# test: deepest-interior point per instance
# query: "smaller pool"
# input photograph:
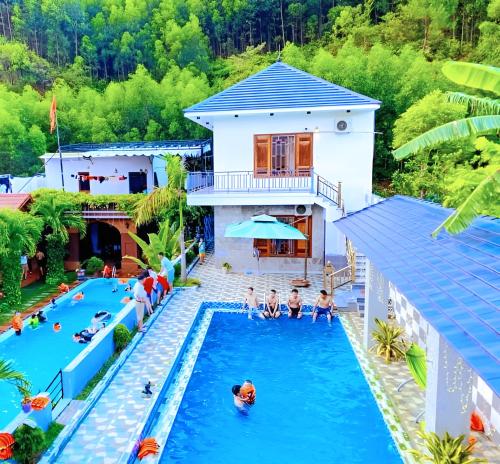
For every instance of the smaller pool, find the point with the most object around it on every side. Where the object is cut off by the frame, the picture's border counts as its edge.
(41, 352)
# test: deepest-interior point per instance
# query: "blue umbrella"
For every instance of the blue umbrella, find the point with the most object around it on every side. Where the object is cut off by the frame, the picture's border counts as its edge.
(265, 227)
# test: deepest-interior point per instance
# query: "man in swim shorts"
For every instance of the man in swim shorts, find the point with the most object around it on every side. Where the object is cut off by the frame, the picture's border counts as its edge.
(252, 303)
(323, 306)
(294, 305)
(272, 309)
(140, 296)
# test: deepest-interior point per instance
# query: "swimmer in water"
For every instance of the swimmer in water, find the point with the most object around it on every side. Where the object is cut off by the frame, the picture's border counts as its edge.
(57, 327)
(79, 296)
(41, 317)
(240, 405)
(34, 321)
(53, 303)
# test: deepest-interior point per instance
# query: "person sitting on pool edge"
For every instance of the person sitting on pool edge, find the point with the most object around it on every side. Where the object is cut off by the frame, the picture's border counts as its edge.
(323, 306)
(248, 392)
(272, 310)
(294, 304)
(252, 303)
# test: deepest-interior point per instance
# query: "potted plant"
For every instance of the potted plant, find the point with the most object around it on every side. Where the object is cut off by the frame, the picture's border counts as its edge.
(29, 444)
(226, 267)
(445, 450)
(26, 404)
(389, 342)
(93, 265)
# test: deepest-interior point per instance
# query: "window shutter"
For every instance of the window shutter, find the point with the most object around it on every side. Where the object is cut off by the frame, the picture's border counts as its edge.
(262, 155)
(304, 153)
(301, 246)
(262, 245)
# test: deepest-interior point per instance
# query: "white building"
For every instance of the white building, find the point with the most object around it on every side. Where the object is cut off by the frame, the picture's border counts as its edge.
(288, 144)
(115, 168)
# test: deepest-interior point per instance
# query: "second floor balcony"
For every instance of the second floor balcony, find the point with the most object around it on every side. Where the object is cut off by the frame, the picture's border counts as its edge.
(250, 181)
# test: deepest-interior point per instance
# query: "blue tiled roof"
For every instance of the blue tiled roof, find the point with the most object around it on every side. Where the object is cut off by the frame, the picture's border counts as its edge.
(454, 281)
(280, 86)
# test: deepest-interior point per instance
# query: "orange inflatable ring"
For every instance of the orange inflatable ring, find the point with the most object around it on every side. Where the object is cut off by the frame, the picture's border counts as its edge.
(39, 403)
(79, 296)
(125, 300)
(6, 442)
(476, 423)
(147, 447)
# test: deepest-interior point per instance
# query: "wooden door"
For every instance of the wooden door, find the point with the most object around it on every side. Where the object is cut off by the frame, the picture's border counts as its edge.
(303, 153)
(302, 247)
(262, 155)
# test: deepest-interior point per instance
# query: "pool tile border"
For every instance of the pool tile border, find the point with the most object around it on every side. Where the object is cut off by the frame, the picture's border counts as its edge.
(385, 404)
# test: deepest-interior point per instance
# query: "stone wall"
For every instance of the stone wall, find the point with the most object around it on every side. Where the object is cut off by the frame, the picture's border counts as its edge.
(239, 252)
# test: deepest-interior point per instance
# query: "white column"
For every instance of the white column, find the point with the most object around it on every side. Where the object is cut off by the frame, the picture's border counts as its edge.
(448, 396)
(376, 295)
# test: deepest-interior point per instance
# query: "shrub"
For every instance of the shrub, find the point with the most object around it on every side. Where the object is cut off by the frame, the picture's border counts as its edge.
(389, 342)
(445, 450)
(93, 265)
(55, 260)
(29, 444)
(121, 337)
(190, 256)
(177, 269)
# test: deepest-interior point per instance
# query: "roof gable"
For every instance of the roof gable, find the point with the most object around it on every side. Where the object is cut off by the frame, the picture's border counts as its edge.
(14, 200)
(453, 281)
(281, 86)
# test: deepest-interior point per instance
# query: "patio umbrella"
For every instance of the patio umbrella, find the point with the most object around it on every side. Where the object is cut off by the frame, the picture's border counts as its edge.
(265, 227)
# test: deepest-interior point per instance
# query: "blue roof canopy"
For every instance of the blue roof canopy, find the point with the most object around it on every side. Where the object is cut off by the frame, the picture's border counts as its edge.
(281, 86)
(453, 281)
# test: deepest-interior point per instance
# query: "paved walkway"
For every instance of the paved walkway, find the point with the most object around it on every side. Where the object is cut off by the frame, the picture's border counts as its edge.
(114, 421)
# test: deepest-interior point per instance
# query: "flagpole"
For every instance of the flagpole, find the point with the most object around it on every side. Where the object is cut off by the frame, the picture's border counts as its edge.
(60, 154)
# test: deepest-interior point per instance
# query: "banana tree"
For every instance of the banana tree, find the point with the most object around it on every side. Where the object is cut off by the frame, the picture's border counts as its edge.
(484, 120)
(165, 241)
(172, 195)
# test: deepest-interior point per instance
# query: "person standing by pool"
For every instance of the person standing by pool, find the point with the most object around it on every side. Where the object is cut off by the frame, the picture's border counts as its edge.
(140, 296)
(294, 304)
(17, 323)
(201, 250)
(323, 306)
(24, 265)
(252, 303)
(166, 269)
(272, 310)
(40, 260)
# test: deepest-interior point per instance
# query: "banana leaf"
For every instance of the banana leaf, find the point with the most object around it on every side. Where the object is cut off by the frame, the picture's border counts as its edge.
(478, 76)
(416, 360)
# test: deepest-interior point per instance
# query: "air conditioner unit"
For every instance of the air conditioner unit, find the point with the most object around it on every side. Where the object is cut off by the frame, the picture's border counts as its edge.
(343, 125)
(303, 210)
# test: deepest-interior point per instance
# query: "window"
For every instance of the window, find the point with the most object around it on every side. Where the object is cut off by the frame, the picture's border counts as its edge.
(137, 182)
(288, 248)
(83, 185)
(283, 155)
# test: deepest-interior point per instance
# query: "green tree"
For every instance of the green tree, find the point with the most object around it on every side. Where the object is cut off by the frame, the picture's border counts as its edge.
(58, 216)
(481, 77)
(172, 195)
(24, 233)
(165, 241)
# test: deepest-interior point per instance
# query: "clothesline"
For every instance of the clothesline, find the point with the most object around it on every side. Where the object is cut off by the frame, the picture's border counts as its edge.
(101, 179)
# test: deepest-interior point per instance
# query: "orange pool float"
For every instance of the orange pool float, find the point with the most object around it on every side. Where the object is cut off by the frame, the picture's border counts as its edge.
(63, 288)
(147, 447)
(248, 393)
(78, 296)
(6, 443)
(39, 403)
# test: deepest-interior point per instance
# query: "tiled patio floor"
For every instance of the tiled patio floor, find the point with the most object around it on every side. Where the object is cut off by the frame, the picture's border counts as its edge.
(409, 402)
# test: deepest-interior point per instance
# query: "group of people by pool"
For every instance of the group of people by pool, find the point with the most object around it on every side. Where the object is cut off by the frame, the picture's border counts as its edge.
(323, 306)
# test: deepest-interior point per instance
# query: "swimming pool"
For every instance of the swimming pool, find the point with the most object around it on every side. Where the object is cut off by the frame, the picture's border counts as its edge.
(41, 352)
(313, 403)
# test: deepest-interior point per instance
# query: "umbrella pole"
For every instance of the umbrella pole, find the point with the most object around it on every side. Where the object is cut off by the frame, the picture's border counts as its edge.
(305, 260)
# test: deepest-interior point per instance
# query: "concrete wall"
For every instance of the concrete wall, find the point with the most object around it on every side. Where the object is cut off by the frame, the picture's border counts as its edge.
(239, 252)
(98, 167)
(78, 373)
(344, 157)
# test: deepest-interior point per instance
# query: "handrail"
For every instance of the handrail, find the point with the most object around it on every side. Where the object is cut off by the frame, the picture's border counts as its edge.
(56, 387)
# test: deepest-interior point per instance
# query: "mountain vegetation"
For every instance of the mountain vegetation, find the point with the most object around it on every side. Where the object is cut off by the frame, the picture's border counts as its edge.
(123, 70)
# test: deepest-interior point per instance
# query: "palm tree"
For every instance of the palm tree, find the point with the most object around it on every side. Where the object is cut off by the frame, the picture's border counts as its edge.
(484, 120)
(166, 241)
(9, 375)
(23, 232)
(172, 195)
(57, 218)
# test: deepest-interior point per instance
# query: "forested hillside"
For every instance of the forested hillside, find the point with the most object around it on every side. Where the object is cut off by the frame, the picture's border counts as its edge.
(125, 69)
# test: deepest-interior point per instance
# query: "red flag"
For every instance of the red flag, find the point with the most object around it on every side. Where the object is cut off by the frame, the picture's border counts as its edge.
(53, 109)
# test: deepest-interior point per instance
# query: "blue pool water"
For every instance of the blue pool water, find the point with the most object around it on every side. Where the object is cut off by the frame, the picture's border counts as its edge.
(313, 403)
(41, 352)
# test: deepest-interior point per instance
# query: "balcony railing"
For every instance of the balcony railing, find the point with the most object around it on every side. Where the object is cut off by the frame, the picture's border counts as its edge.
(248, 181)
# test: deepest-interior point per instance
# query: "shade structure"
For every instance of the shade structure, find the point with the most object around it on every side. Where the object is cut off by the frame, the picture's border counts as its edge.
(264, 227)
